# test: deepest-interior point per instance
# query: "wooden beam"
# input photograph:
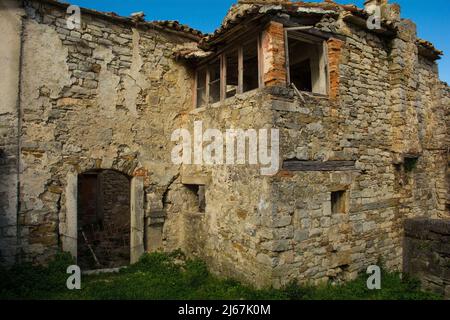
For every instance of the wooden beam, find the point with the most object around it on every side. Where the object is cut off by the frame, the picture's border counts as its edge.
(199, 180)
(297, 165)
(260, 61)
(195, 93)
(382, 204)
(207, 85)
(223, 77)
(240, 88)
(286, 51)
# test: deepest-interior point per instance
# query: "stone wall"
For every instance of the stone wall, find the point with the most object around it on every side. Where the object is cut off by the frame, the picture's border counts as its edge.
(238, 213)
(427, 253)
(106, 96)
(377, 120)
(115, 197)
(10, 55)
(110, 95)
(445, 89)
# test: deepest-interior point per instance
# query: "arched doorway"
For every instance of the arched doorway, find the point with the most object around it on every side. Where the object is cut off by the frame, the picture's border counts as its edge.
(103, 219)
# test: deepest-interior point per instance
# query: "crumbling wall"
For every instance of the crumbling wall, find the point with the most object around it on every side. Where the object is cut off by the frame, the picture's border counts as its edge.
(109, 96)
(106, 96)
(426, 253)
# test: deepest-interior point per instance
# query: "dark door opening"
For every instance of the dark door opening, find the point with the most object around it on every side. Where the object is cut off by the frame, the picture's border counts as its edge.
(103, 220)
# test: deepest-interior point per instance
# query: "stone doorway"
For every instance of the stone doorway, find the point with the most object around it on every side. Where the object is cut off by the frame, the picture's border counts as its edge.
(103, 220)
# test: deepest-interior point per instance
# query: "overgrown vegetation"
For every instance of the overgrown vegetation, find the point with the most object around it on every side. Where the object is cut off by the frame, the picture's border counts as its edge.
(171, 276)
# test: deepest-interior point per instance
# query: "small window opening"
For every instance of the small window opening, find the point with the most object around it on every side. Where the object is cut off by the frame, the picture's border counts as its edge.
(214, 81)
(250, 62)
(234, 71)
(339, 202)
(201, 88)
(200, 198)
(307, 65)
(3, 156)
(232, 74)
(301, 75)
(410, 163)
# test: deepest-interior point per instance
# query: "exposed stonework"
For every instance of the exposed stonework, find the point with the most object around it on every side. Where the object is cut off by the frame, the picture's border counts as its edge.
(109, 96)
(274, 58)
(334, 59)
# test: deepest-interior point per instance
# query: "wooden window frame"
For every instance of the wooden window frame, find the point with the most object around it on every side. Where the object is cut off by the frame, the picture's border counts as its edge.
(223, 69)
(313, 39)
(195, 94)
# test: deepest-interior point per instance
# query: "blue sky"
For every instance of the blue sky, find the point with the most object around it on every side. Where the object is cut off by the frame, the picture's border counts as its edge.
(432, 17)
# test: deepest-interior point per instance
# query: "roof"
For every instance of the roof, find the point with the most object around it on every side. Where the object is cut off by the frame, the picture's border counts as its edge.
(427, 49)
(169, 25)
(247, 10)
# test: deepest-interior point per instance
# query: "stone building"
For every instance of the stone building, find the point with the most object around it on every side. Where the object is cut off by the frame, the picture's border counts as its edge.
(87, 116)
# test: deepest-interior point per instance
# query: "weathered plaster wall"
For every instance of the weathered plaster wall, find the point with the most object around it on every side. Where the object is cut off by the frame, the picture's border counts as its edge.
(10, 54)
(106, 96)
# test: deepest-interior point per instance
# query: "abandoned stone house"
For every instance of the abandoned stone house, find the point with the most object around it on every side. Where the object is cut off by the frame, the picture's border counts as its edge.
(86, 117)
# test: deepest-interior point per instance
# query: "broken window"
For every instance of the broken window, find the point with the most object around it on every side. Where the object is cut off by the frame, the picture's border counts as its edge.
(201, 88)
(214, 81)
(232, 72)
(251, 73)
(307, 63)
(339, 202)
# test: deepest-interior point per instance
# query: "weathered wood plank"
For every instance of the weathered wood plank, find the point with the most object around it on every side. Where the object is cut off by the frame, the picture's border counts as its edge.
(382, 204)
(297, 165)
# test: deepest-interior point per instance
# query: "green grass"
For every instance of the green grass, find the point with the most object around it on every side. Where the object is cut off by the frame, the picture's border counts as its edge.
(170, 276)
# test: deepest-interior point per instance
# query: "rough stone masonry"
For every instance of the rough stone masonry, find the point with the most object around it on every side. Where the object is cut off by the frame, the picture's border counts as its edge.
(368, 152)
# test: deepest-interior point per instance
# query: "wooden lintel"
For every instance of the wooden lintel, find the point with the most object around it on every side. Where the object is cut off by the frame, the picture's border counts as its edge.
(196, 179)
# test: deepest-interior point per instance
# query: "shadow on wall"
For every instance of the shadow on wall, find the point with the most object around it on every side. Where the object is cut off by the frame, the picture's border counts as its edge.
(8, 213)
(426, 253)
